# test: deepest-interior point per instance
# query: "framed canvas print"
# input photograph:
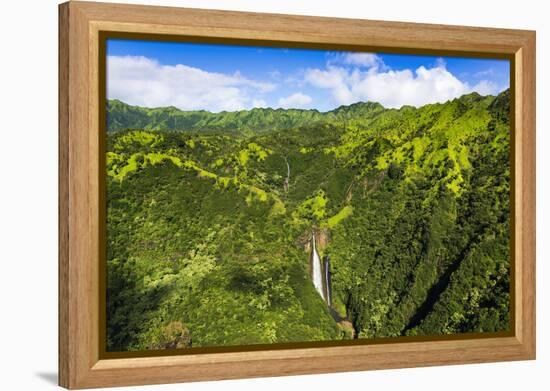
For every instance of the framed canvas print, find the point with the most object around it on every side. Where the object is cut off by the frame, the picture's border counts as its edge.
(247, 195)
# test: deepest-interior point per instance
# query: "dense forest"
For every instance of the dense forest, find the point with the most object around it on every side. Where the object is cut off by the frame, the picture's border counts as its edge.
(210, 218)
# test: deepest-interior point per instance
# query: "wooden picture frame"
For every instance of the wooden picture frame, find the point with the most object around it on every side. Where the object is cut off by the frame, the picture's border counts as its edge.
(81, 364)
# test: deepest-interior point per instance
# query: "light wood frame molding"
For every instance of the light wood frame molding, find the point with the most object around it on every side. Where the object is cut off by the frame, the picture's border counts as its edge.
(80, 364)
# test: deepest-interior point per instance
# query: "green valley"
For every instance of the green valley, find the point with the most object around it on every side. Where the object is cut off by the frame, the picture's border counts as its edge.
(210, 218)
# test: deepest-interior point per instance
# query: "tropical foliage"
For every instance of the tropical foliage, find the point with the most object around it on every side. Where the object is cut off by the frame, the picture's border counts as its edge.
(210, 216)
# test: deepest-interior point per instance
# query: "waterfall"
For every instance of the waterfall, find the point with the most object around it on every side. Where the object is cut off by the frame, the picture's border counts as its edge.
(316, 270)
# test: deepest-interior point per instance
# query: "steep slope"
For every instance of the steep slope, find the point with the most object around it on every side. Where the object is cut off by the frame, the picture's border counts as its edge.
(208, 234)
(426, 250)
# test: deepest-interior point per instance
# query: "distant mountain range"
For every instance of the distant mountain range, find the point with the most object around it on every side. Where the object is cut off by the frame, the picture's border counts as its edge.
(244, 122)
(259, 120)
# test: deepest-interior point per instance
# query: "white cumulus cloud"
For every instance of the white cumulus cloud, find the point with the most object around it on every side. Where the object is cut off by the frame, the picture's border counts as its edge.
(143, 81)
(360, 59)
(392, 88)
(296, 100)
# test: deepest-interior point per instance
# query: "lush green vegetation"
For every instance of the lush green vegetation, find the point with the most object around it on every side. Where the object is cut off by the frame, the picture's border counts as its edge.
(207, 244)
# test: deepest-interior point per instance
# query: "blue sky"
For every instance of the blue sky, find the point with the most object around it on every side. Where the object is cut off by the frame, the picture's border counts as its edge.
(232, 77)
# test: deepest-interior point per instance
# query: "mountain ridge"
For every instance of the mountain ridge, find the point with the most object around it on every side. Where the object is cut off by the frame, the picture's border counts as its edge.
(121, 115)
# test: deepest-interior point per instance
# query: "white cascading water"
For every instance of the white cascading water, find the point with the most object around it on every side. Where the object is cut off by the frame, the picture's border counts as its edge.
(317, 274)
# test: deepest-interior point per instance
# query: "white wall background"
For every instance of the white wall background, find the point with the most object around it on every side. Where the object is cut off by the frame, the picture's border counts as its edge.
(28, 194)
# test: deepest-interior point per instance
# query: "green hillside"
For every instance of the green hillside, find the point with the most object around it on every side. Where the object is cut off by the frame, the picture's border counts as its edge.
(121, 116)
(207, 247)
